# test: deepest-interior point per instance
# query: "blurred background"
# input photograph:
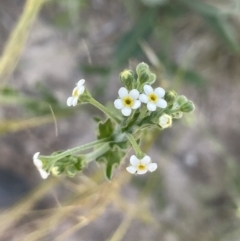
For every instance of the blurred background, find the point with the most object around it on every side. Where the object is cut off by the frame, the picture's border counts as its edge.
(47, 46)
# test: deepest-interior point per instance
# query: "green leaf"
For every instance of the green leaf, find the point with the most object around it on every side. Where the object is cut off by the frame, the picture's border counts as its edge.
(128, 45)
(112, 158)
(216, 21)
(105, 129)
(8, 91)
(224, 30)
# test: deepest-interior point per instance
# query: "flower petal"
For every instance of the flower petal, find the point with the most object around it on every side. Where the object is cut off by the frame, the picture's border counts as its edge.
(35, 156)
(126, 111)
(151, 106)
(81, 90)
(134, 94)
(74, 101)
(43, 173)
(69, 101)
(118, 104)
(37, 163)
(131, 169)
(142, 171)
(134, 160)
(146, 160)
(80, 82)
(122, 92)
(162, 103)
(160, 92)
(148, 89)
(136, 105)
(152, 167)
(143, 98)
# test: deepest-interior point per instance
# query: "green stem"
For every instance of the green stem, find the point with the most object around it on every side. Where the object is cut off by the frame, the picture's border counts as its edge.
(135, 146)
(104, 110)
(76, 149)
(98, 152)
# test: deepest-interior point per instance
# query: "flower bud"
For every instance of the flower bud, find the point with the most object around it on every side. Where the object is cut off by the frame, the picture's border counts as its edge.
(142, 67)
(144, 75)
(187, 107)
(165, 121)
(170, 97)
(181, 99)
(127, 79)
(151, 79)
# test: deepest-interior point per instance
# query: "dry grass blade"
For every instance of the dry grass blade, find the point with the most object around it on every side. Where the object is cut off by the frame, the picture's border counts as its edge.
(18, 38)
(10, 217)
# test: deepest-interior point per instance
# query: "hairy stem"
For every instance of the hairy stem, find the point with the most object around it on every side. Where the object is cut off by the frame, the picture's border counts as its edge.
(104, 110)
(135, 146)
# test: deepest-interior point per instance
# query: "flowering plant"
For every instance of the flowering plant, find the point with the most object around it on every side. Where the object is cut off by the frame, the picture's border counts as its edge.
(140, 107)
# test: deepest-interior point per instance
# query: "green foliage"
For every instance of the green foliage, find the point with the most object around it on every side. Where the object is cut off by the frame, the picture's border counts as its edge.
(118, 132)
(105, 129)
(128, 46)
(111, 158)
(170, 97)
(69, 165)
(128, 80)
(145, 77)
(216, 21)
(8, 91)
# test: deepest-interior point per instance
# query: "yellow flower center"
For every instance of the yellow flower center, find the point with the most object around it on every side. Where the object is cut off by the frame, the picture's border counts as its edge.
(153, 97)
(75, 92)
(141, 167)
(128, 101)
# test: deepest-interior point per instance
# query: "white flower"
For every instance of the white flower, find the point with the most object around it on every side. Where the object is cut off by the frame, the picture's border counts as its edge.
(127, 101)
(165, 121)
(38, 163)
(153, 98)
(141, 166)
(77, 91)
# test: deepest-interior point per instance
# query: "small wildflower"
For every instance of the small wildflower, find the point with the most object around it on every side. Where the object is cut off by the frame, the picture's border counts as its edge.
(141, 166)
(77, 91)
(153, 98)
(38, 163)
(127, 101)
(165, 121)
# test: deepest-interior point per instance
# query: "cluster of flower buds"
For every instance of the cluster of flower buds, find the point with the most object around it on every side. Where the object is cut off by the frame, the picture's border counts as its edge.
(140, 107)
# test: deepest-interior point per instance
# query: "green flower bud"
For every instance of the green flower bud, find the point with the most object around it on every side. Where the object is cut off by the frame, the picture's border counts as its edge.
(143, 77)
(170, 97)
(152, 79)
(127, 79)
(187, 107)
(142, 67)
(181, 99)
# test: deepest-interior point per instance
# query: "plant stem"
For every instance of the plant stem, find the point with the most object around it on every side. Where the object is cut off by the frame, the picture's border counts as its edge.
(104, 110)
(135, 146)
(98, 152)
(76, 149)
